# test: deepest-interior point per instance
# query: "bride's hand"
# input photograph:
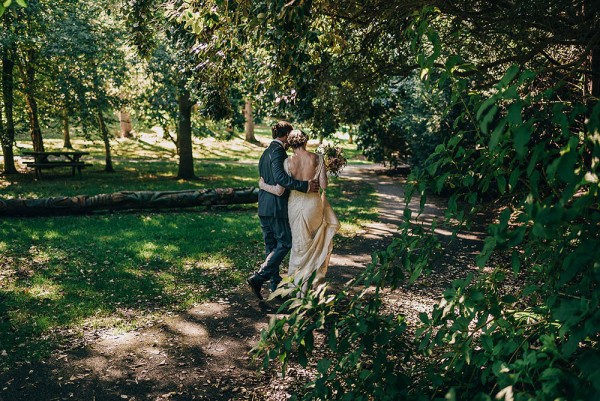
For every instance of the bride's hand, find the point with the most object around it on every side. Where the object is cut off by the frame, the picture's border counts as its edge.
(261, 183)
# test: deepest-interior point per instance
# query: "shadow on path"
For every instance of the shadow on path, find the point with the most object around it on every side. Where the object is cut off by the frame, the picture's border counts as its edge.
(202, 354)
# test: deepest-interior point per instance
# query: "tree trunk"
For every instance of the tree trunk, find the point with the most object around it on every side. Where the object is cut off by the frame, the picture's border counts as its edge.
(32, 108)
(125, 122)
(184, 137)
(7, 134)
(105, 137)
(127, 200)
(167, 135)
(595, 75)
(65, 126)
(249, 125)
(591, 11)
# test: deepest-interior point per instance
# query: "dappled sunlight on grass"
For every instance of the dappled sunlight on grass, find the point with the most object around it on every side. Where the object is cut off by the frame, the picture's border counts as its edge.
(45, 289)
(53, 234)
(148, 250)
(148, 163)
(349, 229)
(212, 261)
(119, 269)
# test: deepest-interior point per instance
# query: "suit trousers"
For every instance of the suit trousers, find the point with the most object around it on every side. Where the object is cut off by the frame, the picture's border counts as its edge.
(278, 242)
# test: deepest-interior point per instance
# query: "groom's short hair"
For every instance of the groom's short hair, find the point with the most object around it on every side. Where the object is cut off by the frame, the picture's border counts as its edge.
(282, 128)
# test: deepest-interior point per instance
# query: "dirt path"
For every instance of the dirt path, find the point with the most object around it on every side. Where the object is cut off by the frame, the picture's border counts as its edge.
(202, 354)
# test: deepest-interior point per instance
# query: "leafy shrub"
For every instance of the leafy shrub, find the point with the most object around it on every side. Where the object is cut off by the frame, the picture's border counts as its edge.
(526, 325)
(404, 124)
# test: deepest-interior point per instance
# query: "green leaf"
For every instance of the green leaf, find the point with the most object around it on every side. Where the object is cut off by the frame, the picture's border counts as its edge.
(22, 3)
(468, 180)
(484, 106)
(589, 364)
(498, 131)
(552, 168)
(510, 74)
(516, 263)
(450, 395)
(323, 365)
(452, 62)
(488, 118)
(501, 181)
(487, 343)
(509, 299)
(526, 75)
(566, 167)
(514, 178)
(488, 247)
(425, 341)
(302, 359)
(539, 230)
(7, 3)
(517, 236)
(521, 136)
(441, 181)
(514, 113)
(537, 152)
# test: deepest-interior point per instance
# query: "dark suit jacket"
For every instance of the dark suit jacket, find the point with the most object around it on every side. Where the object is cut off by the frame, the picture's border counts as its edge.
(270, 168)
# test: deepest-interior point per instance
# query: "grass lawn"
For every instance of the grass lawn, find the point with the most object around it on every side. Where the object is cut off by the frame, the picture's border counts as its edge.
(63, 276)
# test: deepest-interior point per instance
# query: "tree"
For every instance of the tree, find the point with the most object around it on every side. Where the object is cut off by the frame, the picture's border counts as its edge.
(31, 27)
(88, 91)
(203, 67)
(249, 124)
(7, 133)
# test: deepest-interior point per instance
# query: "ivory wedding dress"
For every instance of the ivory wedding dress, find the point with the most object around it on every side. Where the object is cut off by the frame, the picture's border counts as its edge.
(313, 223)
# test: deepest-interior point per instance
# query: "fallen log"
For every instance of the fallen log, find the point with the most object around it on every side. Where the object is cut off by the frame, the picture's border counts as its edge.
(127, 200)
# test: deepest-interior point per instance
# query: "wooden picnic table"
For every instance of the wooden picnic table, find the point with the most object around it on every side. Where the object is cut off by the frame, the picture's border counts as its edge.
(55, 158)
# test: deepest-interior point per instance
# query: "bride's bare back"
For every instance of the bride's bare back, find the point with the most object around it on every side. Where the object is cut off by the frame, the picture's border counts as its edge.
(303, 165)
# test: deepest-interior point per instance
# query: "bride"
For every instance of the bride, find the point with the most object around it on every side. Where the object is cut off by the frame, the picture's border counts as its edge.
(312, 219)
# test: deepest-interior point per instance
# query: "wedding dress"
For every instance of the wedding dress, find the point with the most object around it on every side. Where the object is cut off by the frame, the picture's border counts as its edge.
(313, 224)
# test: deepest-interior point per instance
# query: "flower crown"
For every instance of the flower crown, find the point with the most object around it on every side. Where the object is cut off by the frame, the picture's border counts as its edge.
(297, 138)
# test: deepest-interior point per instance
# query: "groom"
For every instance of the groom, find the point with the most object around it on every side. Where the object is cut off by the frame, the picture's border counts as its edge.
(273, 211)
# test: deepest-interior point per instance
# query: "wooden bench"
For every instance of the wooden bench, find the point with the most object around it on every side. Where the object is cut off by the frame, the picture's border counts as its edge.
(54, 159)
(38, 166)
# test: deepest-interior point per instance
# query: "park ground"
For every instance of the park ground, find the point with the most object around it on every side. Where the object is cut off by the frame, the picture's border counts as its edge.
(202, 353)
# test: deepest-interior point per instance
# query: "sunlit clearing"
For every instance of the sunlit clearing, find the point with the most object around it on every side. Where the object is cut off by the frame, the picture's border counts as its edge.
(187, 328)
(149, 250)
(40, 255)
(208, 262)
(170, 249)
(52, 235)
(46, 290)
(347, 229)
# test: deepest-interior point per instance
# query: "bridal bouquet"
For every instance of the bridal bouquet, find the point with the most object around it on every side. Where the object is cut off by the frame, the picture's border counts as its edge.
(334, 158)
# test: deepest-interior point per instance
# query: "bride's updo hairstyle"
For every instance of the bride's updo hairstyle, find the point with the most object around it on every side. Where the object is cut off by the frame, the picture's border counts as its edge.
(297, 138)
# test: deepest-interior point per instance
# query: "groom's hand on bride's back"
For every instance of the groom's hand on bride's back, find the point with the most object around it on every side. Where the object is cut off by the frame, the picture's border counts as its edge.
(313, 186)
